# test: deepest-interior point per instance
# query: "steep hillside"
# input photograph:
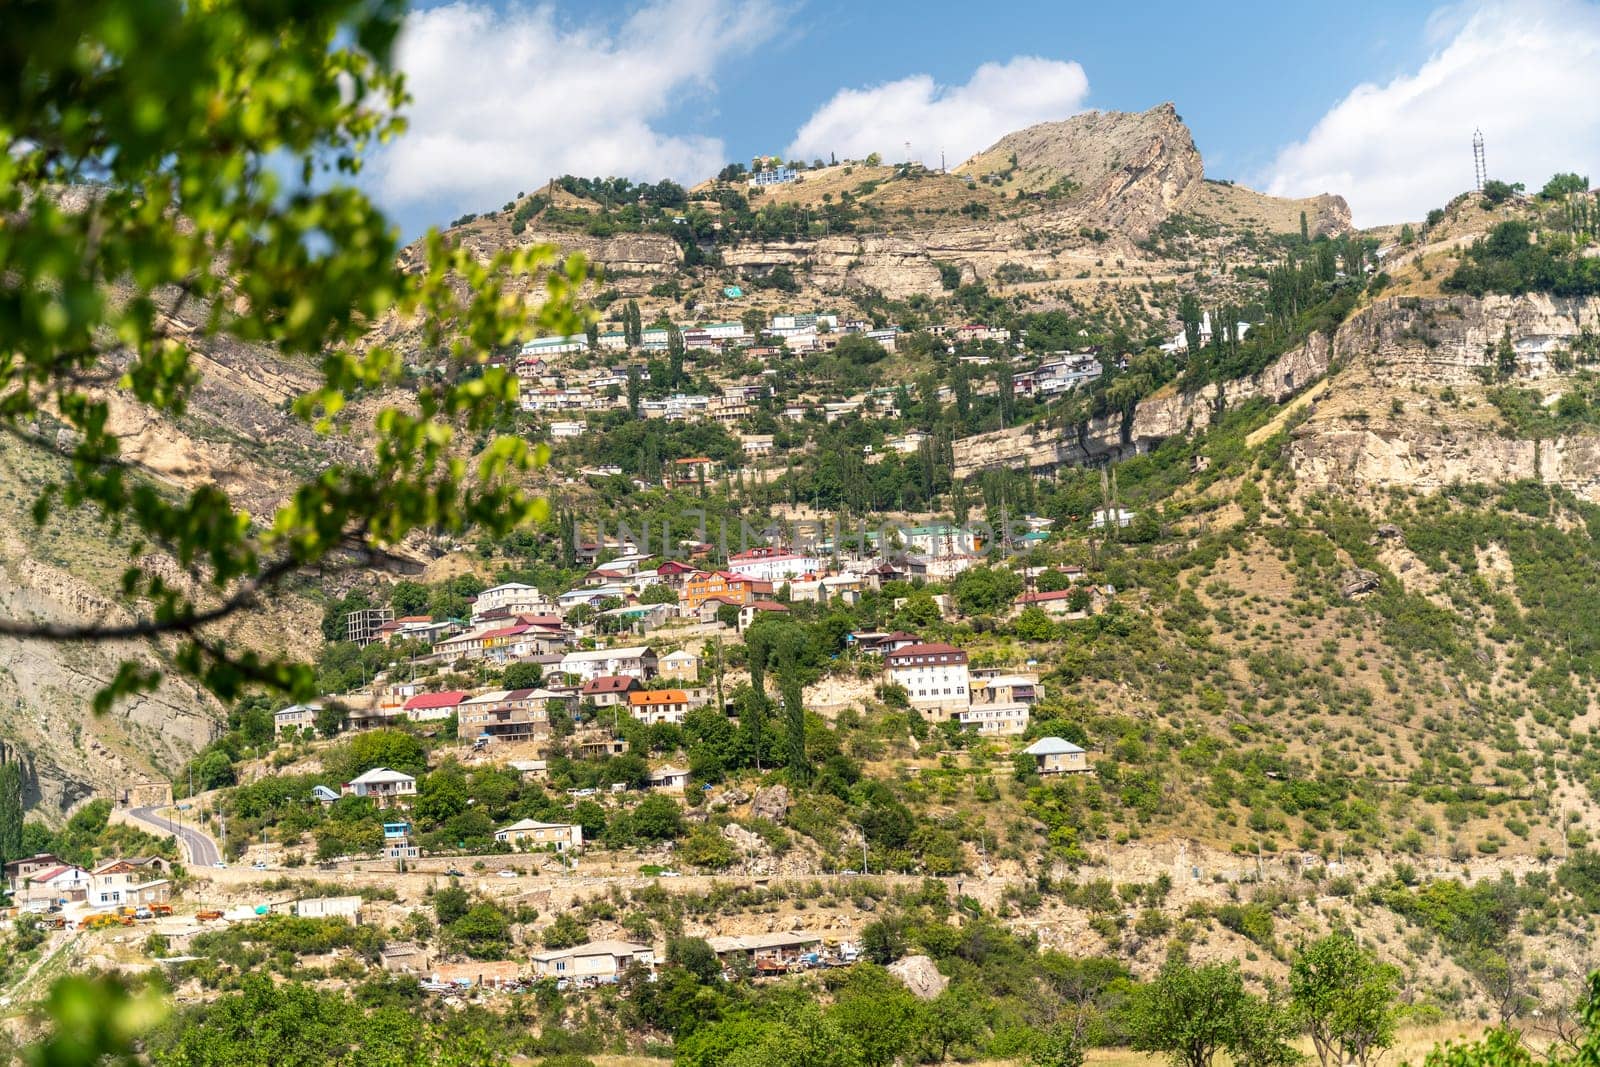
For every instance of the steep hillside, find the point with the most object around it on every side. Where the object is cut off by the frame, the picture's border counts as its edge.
(236, 435)
(1096, 213)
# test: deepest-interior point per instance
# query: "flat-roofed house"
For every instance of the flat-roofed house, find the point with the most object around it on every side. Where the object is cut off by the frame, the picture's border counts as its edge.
(533, 834)
(597, 961)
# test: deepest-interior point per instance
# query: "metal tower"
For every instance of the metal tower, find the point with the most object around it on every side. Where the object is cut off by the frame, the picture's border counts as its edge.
(1480, 172)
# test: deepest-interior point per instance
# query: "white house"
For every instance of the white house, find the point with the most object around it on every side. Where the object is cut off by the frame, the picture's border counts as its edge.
(512, 598)
(995, 720)
(769, 564)
(530, 833)
(638, 661)
(669, 779)
(384, 786)
(934, 676)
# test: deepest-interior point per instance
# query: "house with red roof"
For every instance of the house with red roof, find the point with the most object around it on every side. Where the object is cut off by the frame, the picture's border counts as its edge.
(608, 690)
(736, 588)
(431, 707)
(756, 608)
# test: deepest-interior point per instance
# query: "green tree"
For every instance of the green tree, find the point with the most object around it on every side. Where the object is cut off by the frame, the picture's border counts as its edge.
(878, 1012)
(657, 818)
(1060, 1046)
(408, 598)
(659, 593)
(986, 590)
(483, 932)
(331, 719)
(697, 957)
(1505, 356)
(1189, 1013)
(450, 902)
(951, 1021)
(1034, 625)
(144, 148)
(11, 817)
(1345, 999)
(522, 676)
(566, 931)
(1562, 185)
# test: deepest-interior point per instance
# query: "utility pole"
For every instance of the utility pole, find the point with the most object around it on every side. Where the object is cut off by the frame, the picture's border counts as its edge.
(1479, 170)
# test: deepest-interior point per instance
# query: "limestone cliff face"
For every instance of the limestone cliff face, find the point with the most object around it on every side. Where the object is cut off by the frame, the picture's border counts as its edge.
(1129, 170)
(1371, 459)
(1386, 423)
(1041, 446)
(1446, 340)
(236, 434)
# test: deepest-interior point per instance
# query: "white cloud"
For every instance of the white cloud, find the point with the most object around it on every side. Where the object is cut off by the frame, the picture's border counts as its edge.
(960, 120)
(1527, 72)
(506, 98)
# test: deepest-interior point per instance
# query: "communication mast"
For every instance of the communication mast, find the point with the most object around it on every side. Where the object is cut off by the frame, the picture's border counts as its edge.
(1479, 170)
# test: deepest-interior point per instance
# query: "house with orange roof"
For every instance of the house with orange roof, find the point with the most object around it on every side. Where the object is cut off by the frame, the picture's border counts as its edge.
(652, 706)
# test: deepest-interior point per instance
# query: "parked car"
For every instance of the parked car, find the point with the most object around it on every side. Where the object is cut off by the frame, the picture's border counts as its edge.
(259, 865)
(508, 873)
(453, 873)
(144, 913)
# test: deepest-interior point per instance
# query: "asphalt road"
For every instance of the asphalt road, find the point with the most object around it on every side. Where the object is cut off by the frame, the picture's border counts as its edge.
(202, 850)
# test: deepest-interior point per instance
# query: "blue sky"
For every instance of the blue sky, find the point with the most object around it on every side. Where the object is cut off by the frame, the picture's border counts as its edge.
(1376, 102)
(1213, 65)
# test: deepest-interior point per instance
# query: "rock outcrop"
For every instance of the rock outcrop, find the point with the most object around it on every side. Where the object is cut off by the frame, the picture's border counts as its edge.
(1042, 446)
(1412, 410)
(920, 975)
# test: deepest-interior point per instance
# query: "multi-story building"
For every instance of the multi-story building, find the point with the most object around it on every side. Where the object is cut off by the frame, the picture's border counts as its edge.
(652, 706)
(724, 585)
(1000, 720)
(384, 787)
(934, 676)
(532, 834)
(506, 715)
(362, 626)
(512, 598)
(635, 661)
(772, 564)
(295, 719)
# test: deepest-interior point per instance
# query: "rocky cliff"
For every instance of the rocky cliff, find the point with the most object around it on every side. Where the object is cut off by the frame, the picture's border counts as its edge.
(1047, 445)
(1127, 170)
(1413, 407)
(1410, 406)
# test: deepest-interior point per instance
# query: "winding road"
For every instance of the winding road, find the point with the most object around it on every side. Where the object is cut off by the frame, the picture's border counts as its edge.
(202, 850)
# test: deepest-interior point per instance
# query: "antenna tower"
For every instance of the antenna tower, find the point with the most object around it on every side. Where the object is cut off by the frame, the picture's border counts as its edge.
(1479, 171)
